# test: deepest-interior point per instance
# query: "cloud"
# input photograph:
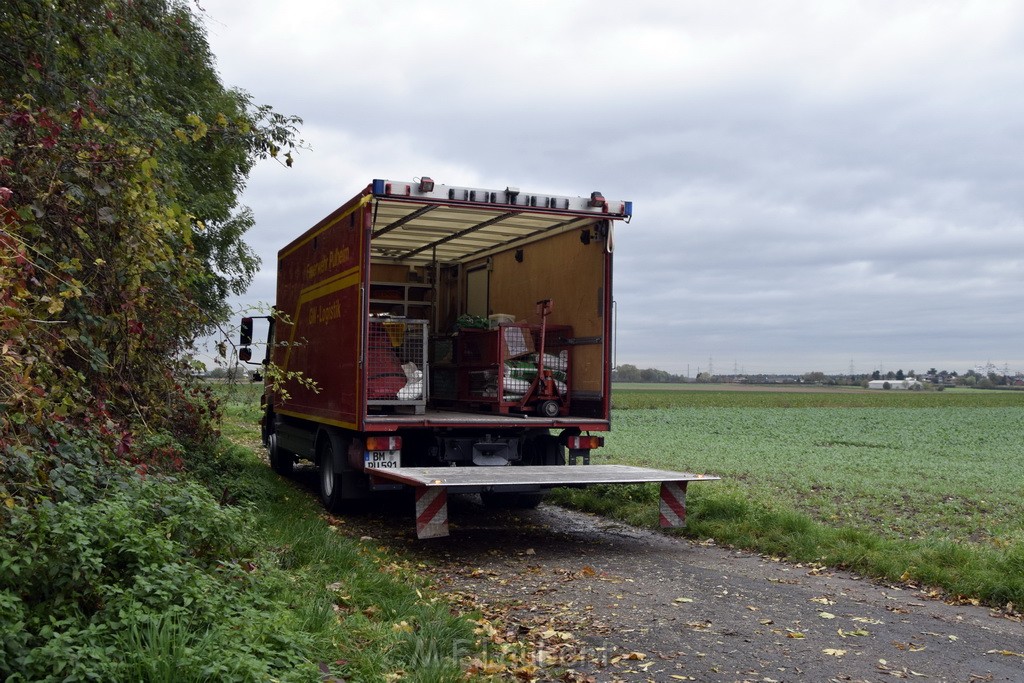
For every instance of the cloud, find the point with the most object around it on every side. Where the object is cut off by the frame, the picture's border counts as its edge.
(812, 182)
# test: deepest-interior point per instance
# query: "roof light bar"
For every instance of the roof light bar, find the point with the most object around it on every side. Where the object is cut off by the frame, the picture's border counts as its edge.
(427, 188)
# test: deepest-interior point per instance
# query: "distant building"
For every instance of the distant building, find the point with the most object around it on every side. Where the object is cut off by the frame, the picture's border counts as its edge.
(909, 383)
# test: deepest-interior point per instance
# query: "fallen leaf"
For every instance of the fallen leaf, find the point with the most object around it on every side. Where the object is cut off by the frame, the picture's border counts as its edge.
(826, 615)
(1006, 653)
(865, 620)
(683, 600)
(858, 633)
(834, 652)
(823, 601)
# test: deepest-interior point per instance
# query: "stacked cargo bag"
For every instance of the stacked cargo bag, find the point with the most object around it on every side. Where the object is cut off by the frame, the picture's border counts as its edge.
(520, 373)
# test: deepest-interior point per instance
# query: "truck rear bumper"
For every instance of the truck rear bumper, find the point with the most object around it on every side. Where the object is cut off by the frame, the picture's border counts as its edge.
(432, 485)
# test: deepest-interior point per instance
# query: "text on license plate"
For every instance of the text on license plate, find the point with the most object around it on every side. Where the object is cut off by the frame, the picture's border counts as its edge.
(378, 460)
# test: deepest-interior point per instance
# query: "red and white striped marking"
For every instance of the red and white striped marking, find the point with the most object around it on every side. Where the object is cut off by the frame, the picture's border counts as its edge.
(673, 503)
(431, 512)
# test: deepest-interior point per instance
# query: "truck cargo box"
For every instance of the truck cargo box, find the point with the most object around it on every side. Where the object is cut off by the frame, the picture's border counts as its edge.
(414, 304)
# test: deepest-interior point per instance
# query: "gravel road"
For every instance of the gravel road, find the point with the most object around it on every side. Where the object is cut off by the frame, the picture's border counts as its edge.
(581, 598)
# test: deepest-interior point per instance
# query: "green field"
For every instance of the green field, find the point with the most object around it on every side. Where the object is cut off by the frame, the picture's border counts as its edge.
(923, 485)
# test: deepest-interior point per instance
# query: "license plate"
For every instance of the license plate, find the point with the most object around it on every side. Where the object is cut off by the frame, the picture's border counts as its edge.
(382, 460)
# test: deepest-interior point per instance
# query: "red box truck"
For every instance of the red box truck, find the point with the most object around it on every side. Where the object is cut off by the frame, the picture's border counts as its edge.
(459, 338)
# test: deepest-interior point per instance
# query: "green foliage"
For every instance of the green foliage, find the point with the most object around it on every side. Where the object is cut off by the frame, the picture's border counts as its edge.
(154, 576)
(158, 579)
(121, 159)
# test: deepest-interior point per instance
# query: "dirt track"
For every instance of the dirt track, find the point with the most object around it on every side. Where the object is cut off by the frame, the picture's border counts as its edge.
(582, 598)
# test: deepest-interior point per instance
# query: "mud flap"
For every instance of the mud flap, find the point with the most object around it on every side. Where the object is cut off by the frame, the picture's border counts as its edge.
(431, 511)
(673, 503)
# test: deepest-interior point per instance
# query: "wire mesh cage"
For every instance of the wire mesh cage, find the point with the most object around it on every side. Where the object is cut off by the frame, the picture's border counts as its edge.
(396, 364)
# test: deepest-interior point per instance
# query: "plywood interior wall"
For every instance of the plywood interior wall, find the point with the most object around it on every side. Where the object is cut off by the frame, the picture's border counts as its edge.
(391, 272)
(571, 274)
(560, 268)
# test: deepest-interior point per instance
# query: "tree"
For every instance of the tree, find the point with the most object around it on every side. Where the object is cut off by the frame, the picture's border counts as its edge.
(654, 375)
(142, 74)
(627, 373)
(121, 160)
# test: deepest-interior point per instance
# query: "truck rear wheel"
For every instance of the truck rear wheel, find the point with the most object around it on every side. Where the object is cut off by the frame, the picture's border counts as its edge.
(543, 449)
(281, 461)
(330, 474)
(500, 500)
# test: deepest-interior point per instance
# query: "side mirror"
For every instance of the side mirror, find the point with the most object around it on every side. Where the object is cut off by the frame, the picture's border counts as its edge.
(245, 332)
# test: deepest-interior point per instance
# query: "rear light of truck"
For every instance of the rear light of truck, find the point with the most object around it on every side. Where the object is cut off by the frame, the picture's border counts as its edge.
(383, 443)
(584, 442)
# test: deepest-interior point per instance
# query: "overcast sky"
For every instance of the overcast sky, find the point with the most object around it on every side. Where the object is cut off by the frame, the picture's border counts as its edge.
(816, 185)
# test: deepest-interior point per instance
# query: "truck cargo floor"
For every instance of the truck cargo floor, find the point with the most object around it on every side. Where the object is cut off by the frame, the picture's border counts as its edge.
(446, 418)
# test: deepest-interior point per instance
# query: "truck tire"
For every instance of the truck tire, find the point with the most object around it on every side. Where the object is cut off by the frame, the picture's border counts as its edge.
(499, 500)
(543, 449)
(330, 475)
(281, 461)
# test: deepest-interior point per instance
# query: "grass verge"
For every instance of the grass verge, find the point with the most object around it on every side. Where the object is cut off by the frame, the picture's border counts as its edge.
(222, 572)
(371, 618)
